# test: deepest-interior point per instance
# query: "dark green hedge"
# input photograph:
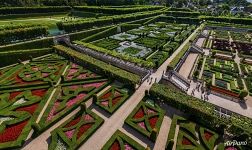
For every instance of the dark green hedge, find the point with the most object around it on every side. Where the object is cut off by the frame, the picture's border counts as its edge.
(102, 21)
(100, 35)
(11, 57)
(34, 44)
(83, 34)
(182, 13)
(124, 138)
(28, 10)
(116, 11)
(203, 112)
(19, 34)
(106, 69)
(244, 21)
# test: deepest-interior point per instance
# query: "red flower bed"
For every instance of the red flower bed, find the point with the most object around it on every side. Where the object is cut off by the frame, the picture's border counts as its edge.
(115, 146)
(208, 135)
(12, 132)
(14, 94)
(39, 92)
(153, 121)
(223, 91)
(186, 141)
(83, 129)
(107, 95)
(139, 114)
(30, 109)
(115, 100)
(73, 122)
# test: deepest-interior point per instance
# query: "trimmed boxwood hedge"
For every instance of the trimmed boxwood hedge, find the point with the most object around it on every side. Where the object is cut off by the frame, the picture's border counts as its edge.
(121, 137)
(100, 35)
(84, 34)
(29, 10)
(34, 44)
(9, 110)
(106, 69)
(74, 143)
(11, 57)
(131, 121)
(115, 93)
(116, 11)
(23, 33)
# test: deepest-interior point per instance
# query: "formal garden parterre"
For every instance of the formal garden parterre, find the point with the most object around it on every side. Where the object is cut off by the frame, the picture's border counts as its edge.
(21, 105)
(147, 46)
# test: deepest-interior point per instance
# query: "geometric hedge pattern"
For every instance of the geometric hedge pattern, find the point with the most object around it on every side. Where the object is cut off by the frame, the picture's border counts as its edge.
(120, 141)
(26, 88)
(75, 131)
(146, 119)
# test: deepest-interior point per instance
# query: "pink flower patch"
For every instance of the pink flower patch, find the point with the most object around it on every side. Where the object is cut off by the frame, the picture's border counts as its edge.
(45, 74)
(73, 101)
(27, 75)
(105, 103)
(35, 68)
(128, 147)
(74, 87)
(142, 125)
(150, 111)
(75, 65)
(70, 133)
(72, 71)
(87, 117)
(53, 110)
(94, 85)
(82, 76)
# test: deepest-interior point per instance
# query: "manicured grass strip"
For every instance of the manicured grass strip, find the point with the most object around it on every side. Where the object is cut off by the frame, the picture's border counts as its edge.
(107, 69)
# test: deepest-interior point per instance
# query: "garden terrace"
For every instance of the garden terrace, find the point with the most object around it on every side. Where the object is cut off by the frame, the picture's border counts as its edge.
(76, 130)
(120, 141)
(222, 75)
(143, 45)
(218, 34)
(70, 26)
(201, 112)
(191, 135)
(146, 119)
(241, 36)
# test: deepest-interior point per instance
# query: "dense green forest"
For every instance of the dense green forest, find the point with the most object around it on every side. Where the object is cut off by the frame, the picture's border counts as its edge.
(177, 3)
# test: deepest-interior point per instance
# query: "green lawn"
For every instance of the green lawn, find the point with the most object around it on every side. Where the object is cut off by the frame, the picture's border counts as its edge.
(48, 20)
(131, 50)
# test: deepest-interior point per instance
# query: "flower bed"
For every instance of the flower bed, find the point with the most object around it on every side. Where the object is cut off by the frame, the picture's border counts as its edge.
(191, 135)
(18, 111)
(112, 99)
(145, 118)
(76, 130)
(35, 73)
(120, 141)
(67, 98)
(76, 73)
